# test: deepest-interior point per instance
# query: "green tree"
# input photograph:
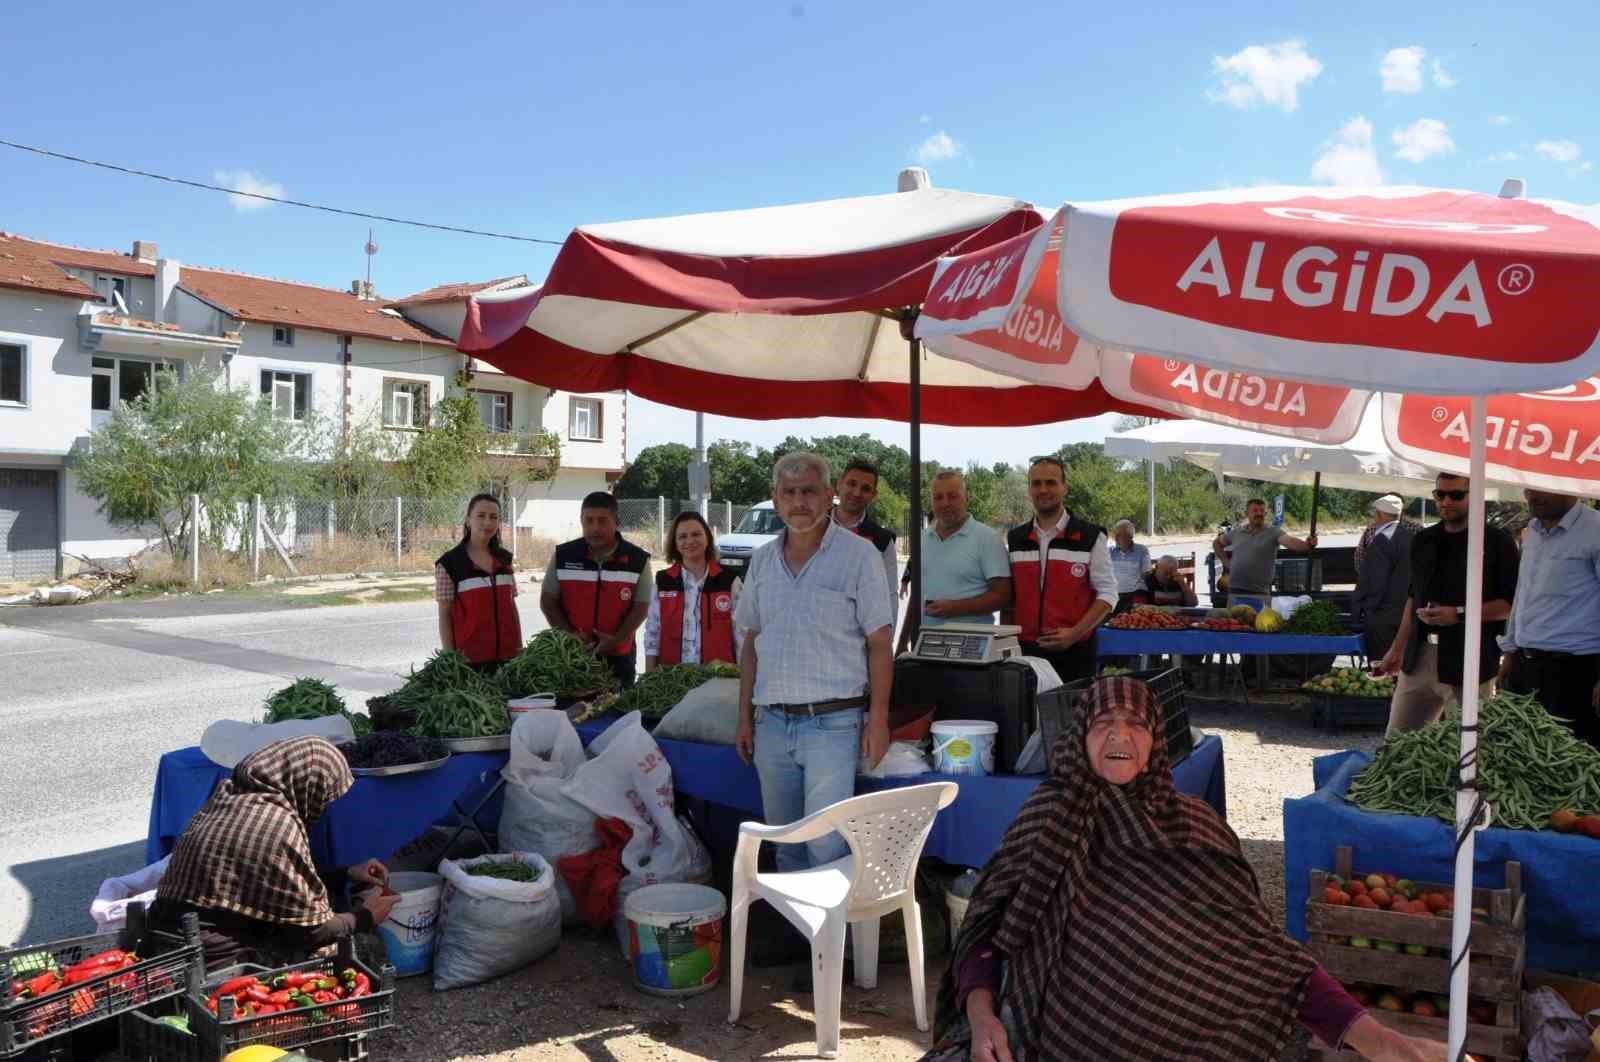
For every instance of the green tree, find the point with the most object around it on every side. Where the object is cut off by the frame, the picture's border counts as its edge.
(658, 471)
(188, 437)
(451, 455)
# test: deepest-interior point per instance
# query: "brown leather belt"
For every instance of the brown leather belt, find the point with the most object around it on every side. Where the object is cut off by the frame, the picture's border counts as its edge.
(814, 708)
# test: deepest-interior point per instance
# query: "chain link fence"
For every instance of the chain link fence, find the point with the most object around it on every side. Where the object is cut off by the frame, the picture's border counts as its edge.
(645, 520)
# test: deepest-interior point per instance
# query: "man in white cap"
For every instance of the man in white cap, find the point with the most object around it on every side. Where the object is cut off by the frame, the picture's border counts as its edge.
(1383, 575)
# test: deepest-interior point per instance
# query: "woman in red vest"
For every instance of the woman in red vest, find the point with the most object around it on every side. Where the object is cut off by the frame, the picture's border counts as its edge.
(477, 590)
(691, 611)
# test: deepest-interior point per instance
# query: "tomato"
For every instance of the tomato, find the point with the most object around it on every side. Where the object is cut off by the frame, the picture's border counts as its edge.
(1364, 900)
(1356, 888)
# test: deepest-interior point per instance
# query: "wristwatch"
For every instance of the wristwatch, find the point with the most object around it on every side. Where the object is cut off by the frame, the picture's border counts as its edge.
(1461, 610)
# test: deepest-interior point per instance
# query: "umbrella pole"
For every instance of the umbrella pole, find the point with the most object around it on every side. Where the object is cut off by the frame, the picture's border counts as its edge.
(1316, 496)
(914, 604)
(1467, 796)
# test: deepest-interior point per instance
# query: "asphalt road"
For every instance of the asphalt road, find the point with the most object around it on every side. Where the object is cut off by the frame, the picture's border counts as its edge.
(91, 696)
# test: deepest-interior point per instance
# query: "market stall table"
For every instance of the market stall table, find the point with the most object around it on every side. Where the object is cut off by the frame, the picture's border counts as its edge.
(374, 820)
(1558, 870)
(965, 833)
(1181, 643)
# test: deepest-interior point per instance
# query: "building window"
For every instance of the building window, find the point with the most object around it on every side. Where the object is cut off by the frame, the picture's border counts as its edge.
(494, 409)
(103, 383)
(110, 289)
(405, 403)
(282, 336)
(114, 380)
(583, 419)
(288, 393)
(13, 365)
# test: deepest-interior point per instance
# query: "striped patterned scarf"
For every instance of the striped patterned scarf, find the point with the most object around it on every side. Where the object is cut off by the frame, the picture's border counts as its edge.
(247, 849)
(1131, 924)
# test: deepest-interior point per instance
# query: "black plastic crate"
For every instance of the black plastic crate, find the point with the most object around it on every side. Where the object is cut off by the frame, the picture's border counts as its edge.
(302, 1026)
(1330, 710)
(146, 1039)
(1297, 575)
(1058, 706)
(1002, 693)
(165, 962)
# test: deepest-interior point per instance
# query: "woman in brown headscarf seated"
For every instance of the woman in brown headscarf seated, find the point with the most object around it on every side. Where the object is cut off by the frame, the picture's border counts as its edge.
(1120, 920)
(244, 864)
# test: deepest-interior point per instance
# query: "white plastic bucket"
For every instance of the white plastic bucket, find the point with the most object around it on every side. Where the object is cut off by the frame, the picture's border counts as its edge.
(409, 930)
(957, 906)
(675, 937)
(532, 702)
(964, 746)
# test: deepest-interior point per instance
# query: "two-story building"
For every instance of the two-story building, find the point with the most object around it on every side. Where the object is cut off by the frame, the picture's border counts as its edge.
(83, 330)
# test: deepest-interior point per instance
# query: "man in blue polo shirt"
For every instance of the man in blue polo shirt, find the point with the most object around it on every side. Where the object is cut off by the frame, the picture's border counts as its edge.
(966, 573)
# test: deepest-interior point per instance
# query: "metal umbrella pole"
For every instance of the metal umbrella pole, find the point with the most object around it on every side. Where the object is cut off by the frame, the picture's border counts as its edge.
(908, 321)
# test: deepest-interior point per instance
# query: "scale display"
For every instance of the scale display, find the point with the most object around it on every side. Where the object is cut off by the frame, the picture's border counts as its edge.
(968, 643)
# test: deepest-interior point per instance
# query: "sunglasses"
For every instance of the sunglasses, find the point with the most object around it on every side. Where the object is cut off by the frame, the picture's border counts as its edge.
(1453, 495)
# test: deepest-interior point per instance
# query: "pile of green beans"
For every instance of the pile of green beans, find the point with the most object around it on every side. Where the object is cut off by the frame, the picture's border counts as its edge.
(506, 871)
(1529, 767)
(304, 698)
(451, 699)
(657, 693)
(554, 662)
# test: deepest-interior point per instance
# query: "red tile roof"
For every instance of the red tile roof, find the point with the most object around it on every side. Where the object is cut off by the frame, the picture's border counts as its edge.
(252, 298)
(451, 292)
(35, 266)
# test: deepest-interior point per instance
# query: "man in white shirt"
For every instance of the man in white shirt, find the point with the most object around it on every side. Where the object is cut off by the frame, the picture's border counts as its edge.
(1062, 582)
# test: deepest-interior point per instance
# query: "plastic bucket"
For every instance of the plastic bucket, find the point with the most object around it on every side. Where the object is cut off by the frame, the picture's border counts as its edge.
(675, 933)
(409, 930)
(530, 703)
(957, 906)
(964, 746)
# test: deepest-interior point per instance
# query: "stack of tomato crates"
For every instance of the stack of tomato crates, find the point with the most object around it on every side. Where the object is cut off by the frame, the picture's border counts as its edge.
(56, 992)
(1393, 953)
(327, 1008)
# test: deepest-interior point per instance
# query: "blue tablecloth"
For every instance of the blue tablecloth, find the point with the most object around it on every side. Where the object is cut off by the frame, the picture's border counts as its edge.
(1113, 642)
(1559, 871)
(372, 821)
(966, 833)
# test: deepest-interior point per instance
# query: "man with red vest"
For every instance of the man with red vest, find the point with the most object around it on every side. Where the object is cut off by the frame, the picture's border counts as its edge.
(598, 587)
(1063, 584)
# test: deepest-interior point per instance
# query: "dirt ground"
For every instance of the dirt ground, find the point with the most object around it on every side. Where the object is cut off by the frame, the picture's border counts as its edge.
(579, 1003)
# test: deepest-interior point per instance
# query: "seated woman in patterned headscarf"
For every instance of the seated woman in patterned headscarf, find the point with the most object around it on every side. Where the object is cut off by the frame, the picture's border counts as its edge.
(1120, 920)
(244, 863)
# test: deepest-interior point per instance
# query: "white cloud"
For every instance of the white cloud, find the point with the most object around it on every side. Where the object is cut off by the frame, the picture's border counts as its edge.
(1499, 119)
(1504, 156)
(1442, 77)
(940, 147)
(1349, 158)
(1401, 69)
(1422, 140)
(1272, 74)
(245, 181)
(1559, 150)
(1583, 167)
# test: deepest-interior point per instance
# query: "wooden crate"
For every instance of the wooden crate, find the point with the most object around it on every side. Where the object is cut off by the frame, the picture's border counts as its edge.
(1499, 944)
(1483, 1041)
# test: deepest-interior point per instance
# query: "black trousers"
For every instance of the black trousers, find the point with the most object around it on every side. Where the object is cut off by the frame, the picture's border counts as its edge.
(1564, 685)
(1075, 663)
(624, 666)
(1379, 636)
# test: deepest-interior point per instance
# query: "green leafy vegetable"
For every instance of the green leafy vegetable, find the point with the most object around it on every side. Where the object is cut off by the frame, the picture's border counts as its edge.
(554, 662)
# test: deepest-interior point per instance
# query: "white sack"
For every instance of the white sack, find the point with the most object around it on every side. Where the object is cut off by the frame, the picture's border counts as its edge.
(489, 926)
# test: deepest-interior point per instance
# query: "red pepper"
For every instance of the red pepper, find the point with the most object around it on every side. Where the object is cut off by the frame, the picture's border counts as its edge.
(362, 986)
(298, 980)
(322, 995)
(281, 997)
(106, 959)
(83, 1002)
(266, 1008)
(235, 986)
(257, 993)
(43, 984)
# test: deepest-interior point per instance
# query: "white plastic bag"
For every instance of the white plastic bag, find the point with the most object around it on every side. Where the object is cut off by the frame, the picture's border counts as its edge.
(903, 760)
(1556, 1033)
(109, 908)
(1045, 675)
(490, 926)
(539, 815)
(1032, 759)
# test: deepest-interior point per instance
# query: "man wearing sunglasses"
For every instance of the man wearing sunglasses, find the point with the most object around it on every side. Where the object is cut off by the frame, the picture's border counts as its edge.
(1428, 654)
(1552, 641)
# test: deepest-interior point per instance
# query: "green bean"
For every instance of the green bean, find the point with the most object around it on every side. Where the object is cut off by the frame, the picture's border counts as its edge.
(304, 698)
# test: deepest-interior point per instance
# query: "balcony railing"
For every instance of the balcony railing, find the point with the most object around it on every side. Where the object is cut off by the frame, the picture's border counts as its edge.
(532, 443)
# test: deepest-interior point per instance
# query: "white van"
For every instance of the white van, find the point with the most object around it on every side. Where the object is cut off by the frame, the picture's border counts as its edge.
(759, 525)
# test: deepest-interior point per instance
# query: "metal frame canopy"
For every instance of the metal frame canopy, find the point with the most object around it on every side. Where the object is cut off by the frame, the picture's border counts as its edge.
(1402, 290)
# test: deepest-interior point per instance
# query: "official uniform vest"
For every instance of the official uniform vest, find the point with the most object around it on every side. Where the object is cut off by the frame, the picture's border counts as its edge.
(483, 615)
(716, 614)
(597, 597)
(874, 532)
(1067, 592)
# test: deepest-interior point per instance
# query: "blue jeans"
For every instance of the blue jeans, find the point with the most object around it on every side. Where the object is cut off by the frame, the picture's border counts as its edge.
(806, 763)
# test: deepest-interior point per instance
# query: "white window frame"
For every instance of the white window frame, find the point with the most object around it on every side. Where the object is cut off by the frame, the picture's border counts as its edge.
(596, 409)
(282, 335)
(108, 287)
(502, 399)
(113, 374)
(24, 359)
(418, 396)
(282, 378)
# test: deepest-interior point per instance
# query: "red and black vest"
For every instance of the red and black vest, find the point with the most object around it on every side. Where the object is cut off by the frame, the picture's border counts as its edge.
(1067, 592)
(598, 597)
(483, 615)
(716, 614)
(873, 532)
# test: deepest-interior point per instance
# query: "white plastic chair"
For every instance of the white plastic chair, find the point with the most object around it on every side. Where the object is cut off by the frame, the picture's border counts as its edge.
(885, 832)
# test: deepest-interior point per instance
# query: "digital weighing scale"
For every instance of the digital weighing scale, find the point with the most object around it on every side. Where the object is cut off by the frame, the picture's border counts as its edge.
(968, 643)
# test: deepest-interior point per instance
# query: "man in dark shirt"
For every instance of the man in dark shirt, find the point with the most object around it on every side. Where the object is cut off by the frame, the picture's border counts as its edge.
(1429, 651)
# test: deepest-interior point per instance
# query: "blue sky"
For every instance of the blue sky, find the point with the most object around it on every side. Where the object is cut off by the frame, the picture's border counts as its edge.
(534, 118)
